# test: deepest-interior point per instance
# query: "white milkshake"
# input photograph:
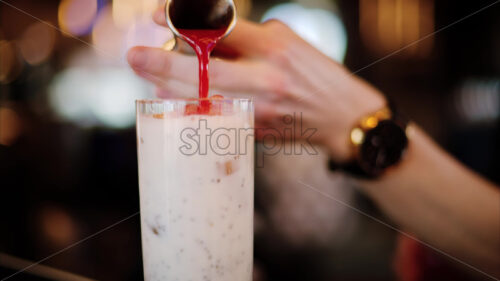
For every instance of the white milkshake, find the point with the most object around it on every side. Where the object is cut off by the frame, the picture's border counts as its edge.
(196, 194)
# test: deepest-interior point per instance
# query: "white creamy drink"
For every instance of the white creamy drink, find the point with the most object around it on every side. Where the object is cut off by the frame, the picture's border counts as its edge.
(196, 175)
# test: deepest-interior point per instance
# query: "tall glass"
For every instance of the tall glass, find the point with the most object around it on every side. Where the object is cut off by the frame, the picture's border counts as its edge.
(196, 177)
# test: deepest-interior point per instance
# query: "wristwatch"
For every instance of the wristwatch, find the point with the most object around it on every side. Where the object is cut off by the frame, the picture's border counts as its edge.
(379, 141)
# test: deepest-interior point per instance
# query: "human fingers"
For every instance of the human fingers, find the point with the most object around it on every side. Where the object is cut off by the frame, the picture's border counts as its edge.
(267, 40)
(160, 66)
(247, 38)
(159, 16)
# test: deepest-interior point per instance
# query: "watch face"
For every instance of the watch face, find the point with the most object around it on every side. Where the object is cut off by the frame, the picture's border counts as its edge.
(383, 147)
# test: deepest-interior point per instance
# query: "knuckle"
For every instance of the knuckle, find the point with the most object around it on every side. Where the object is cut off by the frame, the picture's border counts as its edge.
(276, 26)
(277, 84)
(158, 80)
(167, 86)
(281, 38)
(279, 53)
(165, 65)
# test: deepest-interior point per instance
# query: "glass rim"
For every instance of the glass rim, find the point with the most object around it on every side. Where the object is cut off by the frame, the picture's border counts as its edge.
(160, 101)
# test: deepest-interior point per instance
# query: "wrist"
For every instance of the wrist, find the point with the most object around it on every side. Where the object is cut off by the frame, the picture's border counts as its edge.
(364, 103)
(378, 141)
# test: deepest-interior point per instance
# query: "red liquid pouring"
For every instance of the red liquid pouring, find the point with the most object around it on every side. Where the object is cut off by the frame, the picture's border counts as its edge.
(203, 42)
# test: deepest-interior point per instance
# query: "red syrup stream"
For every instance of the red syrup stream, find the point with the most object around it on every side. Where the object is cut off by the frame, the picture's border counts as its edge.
(203, 42)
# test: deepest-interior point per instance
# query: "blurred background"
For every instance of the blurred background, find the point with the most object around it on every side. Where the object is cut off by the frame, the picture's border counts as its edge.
(68, 165)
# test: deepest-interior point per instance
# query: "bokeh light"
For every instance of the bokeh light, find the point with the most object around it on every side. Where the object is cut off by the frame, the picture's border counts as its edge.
(57, 225)
(76, 17)
(388, 25)
(115, 104)
(91, 94)
(108, 38)
(478, 101)
(37, 43)
(10, 126)
(125, 12)
(321, 28)
(112, 38)
(147, 33)
(10, 62)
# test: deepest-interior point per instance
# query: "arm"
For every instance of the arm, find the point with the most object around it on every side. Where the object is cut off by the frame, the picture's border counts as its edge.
(429, 193)
(442, 203)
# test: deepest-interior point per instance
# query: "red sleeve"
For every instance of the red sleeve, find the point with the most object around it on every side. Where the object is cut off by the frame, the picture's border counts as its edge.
(414, 261)
(407, 259)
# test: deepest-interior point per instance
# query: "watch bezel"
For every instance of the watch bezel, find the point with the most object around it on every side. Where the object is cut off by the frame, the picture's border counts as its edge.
(386, 124)
(382, 147)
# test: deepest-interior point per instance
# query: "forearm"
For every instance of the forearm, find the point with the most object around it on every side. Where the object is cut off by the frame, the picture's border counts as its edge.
(432, 196)
(428, 194)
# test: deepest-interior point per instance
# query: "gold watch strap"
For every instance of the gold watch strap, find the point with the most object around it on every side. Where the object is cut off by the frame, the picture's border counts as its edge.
(367, 123)
(378, 142)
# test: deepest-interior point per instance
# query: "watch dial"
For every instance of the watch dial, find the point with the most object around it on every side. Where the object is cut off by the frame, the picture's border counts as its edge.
(383, 147)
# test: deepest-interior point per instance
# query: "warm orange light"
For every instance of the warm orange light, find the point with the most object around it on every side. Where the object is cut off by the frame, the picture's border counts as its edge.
(10, 126)
(77, 16)
(57, 225)
(10, 63)
(370, 122)
(37, 43)
(383, 114)
(108, 39)
(126, 12)
(389, 25)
